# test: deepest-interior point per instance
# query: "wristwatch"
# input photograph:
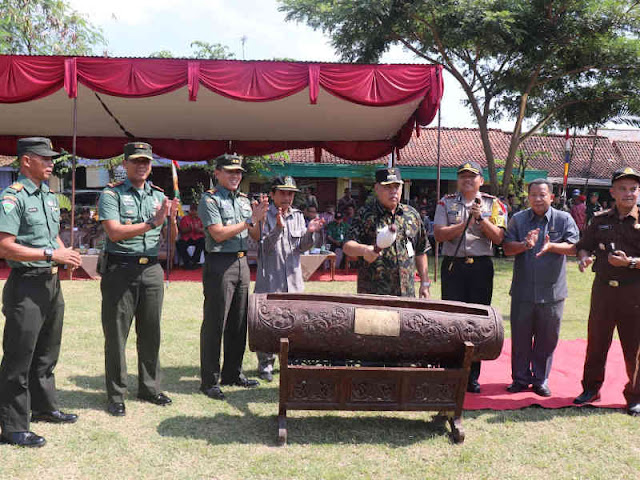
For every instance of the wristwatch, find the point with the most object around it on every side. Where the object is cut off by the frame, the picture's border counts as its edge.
(249, 223)
(633, 262)
(426, 283)
(151, 223)
(48, 254)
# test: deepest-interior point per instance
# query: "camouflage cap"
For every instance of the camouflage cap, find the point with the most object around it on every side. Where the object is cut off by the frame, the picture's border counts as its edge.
(626, 172)
(39, 145)
(229, 162)
(387, 176)
(284, 183)
(473, 167)
(134, 150)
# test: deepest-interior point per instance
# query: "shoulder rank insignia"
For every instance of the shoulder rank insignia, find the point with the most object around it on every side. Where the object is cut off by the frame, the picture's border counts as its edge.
(17, 186)
(601, 212)
(114, 184)
(241, 194)
(212, 190)
(155, 187)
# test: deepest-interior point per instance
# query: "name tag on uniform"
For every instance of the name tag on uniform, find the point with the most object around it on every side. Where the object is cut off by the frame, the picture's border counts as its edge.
(128, 200)
(32, 209)
(410, 251)
(604, 227)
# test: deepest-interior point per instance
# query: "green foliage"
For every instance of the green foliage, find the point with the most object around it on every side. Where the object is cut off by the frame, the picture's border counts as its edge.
(161, 54)
(45, 27)
(539, 62)
(210, 51)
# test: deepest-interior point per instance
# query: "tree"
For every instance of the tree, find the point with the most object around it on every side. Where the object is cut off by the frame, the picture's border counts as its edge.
(539, 62)
(45, 27)
(211, 51)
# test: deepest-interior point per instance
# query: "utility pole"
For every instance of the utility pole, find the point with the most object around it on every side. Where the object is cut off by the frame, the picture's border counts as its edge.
(243, 40)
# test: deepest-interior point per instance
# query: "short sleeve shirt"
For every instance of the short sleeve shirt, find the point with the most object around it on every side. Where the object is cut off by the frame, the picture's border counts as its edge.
(452, 209)
(393, 272)
(223, 206)
(129, 206)
(541, 279)
(32, 215)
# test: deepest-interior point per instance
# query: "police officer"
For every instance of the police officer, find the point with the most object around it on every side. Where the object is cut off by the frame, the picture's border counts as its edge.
(390, 270)
(132, 214)
(467, 268)
(226, 215)
(614, 237)
(32, 299)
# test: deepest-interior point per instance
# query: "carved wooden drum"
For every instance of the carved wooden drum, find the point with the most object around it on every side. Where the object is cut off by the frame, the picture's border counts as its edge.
(372, 327)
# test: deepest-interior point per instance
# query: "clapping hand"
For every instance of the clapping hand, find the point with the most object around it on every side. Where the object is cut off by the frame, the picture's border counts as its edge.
(584, 263)
(259, 208)
(618, 259)
(315, 225)
(476, 210)
(546, 247)
(532, 238)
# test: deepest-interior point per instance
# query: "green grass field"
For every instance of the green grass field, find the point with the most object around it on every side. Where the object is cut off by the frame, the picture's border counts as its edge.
(200, 438)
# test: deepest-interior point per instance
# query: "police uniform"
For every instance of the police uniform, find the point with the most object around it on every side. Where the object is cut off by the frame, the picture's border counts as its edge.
(32, 303)
(615, 299)
(467, 270)
(226, 286)
(393, 272)
(132, 285)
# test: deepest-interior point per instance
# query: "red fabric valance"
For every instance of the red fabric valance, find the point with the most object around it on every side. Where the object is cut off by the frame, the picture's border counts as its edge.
(25, 78)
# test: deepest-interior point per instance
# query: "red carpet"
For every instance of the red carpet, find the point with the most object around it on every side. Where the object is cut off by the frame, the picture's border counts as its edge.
(564, 381)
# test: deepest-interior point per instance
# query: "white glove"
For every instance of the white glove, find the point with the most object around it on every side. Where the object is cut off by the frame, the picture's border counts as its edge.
(386, 236)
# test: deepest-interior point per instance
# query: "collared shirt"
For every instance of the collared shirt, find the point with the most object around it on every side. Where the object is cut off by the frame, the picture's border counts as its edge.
(393, 272)
(128, 205)
(452, 210)
(279, 252)
(606, 228)
(541, 279)
(32, 215)
(223, 206)
(338, 231)
(196, 231)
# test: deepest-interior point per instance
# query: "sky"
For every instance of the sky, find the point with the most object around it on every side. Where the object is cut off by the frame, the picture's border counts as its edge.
(141, 27)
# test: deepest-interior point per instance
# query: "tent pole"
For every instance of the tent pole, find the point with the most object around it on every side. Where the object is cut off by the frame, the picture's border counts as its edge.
(435, 263)
(73, 176)
(593, 152)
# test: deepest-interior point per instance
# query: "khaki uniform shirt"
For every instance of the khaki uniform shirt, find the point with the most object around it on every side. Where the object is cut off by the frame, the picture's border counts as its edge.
(220, 205)
(129, 206)
(452, 210)
(393, 272)
(32, 215)
(279, 252)
(606, 228)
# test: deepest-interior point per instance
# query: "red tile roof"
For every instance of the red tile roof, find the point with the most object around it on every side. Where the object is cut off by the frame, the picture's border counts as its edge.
(6, 161)
(545, 152)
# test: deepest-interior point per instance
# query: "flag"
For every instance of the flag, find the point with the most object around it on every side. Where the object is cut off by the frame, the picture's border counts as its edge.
(176, 188)
(567, 160)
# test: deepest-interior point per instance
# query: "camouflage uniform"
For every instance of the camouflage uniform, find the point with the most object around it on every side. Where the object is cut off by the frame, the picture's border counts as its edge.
(393, 272)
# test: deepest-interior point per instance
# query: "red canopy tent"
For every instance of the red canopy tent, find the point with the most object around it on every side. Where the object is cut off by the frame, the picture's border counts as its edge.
(199, 109)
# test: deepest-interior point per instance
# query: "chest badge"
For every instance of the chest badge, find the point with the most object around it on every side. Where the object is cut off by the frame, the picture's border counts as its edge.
(637, 226)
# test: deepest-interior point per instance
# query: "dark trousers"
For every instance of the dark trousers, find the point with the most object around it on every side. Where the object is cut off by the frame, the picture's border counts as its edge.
(182, 246)
(470, 283)
(128, 291)
(225, 280)
(535, 329)
(610, 308)
(34, 309)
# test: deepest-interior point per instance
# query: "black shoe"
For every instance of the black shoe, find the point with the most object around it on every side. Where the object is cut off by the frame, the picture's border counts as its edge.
(542, 390)
(54, 417)
(266, 376)
(23, 439)
(116, 409)
(586, 397)
(473, 387)
(242, 381)
(634, 409)
(517, 387)
(159, 399)
(213, 392)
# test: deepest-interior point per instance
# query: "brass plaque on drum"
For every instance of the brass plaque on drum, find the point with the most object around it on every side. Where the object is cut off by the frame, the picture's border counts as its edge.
(384, 323)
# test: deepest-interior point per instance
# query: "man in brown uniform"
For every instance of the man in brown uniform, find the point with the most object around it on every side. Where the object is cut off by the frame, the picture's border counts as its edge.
(614, 237)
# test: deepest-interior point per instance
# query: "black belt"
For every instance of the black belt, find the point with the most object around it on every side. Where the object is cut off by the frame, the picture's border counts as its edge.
(227, 254)
(142, 260)
(32, 271)
(618, 283)
(467, 260)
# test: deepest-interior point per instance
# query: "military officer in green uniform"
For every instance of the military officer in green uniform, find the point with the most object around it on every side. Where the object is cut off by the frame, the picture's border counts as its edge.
(226, 215)
(390, 270)
(32, 300)
(132, 214)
